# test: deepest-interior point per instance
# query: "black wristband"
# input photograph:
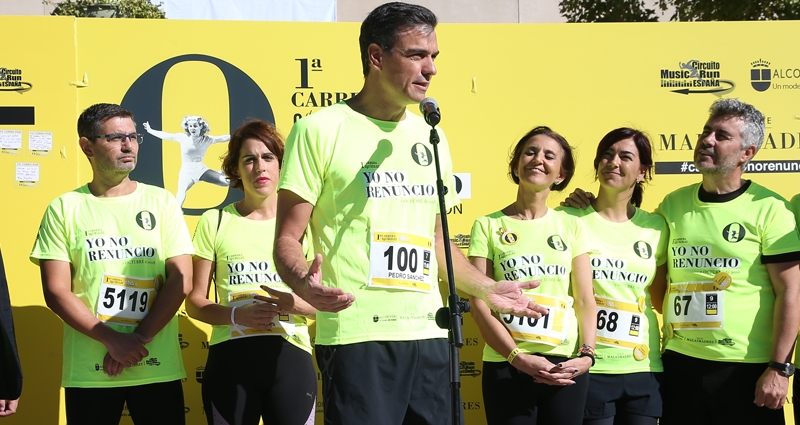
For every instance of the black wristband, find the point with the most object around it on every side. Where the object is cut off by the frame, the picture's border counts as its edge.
(591, 356)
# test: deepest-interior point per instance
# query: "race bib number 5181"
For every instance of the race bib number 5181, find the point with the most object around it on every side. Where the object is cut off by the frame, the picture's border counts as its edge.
(551, 329)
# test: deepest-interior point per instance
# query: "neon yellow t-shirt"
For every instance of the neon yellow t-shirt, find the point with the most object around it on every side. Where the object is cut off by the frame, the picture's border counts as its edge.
(796, 207)
(624, 261)
(540, 249)
(243, 264)
(373, 187)
(117, 248)
(720, 301)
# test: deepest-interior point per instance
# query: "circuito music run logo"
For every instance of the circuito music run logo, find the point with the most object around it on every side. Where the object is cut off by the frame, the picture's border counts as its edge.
(695, 77)
(11, 80)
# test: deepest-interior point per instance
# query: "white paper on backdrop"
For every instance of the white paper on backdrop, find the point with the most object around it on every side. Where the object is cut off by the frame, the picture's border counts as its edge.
(252, 10)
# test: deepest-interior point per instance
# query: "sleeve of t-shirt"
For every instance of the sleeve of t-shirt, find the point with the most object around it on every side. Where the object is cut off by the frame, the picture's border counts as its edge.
(663, 241)
(795, 202)
(479, 239)
(780, 234)
(303, 171)
(205, 234)
(52, 239)
(658, 209)
(449, 180)
(580, 243)
(174, 232)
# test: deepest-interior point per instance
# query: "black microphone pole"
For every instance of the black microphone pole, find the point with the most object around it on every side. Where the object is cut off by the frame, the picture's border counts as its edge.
(449, 317)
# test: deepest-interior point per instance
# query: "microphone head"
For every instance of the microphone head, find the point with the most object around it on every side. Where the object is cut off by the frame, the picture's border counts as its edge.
(428, 105)
(430, 111)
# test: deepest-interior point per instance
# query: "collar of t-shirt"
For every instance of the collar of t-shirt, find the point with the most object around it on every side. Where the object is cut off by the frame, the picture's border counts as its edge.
(722, 197)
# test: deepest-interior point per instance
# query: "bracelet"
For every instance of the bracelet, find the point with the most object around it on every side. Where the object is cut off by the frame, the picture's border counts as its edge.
(233, 321)
(234, 326)
(513, 354)
(586, 351)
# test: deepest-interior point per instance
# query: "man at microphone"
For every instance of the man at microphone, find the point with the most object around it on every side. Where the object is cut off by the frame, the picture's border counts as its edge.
(360, 175)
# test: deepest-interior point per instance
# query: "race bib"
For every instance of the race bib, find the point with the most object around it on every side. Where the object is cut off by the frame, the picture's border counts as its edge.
(619, 325)
(282, 324)
(697, 305)
(126, 300)
(551, 329)
(400, 261)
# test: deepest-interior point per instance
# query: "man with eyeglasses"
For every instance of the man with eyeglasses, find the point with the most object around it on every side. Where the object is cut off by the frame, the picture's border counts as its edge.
(115, 260)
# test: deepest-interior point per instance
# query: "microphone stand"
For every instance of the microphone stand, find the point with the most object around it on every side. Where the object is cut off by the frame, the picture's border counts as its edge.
(449, 317)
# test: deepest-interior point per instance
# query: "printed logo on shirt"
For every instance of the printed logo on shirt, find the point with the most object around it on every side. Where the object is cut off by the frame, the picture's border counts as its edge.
(643, 250)
(421, 154)
(108, 248)
(509, 238)
(726, 341)
(733, 232)
(556, 243)
(146, 220)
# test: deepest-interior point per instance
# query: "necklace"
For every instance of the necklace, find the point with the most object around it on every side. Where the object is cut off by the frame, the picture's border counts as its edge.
(519, 215)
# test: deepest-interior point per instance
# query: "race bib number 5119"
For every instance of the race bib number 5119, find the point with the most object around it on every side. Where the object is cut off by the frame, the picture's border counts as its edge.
(126, 300)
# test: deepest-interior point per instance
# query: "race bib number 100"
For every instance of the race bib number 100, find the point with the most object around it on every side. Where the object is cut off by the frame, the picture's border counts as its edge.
(126, 300)
(400, 261)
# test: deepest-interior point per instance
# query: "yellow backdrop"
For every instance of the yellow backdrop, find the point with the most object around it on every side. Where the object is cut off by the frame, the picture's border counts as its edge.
(495, 82)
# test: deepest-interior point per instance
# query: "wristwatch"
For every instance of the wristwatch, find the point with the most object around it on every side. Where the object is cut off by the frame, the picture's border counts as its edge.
(787, 369)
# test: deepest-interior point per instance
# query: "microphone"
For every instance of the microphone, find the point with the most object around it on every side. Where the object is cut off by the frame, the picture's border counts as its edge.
(430, 110)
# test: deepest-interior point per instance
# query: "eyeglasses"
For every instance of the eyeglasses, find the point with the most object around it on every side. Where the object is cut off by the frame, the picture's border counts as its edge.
(121, 138)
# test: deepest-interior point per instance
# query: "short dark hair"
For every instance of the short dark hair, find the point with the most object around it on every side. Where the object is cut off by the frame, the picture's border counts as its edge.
(91, 121)
(384, 25)
(567, 164)
(644, 147)
(254, 129)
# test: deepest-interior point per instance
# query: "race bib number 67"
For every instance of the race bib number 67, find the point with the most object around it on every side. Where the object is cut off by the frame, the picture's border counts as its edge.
(695, 305)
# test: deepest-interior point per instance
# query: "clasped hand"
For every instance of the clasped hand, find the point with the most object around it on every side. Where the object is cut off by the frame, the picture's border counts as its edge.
(124, 350)
(545, 372)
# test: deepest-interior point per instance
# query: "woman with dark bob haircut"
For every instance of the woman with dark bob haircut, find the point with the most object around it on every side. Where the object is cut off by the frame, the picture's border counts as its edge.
(628, 264)
(259, 363)
(535, 370)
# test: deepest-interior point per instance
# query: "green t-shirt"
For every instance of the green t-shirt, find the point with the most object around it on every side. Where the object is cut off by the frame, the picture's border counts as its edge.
(117, 248)
(720, 301)
(540, 249)
(373, 187)
(243, 264)
(796, 207)
(624, 261)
